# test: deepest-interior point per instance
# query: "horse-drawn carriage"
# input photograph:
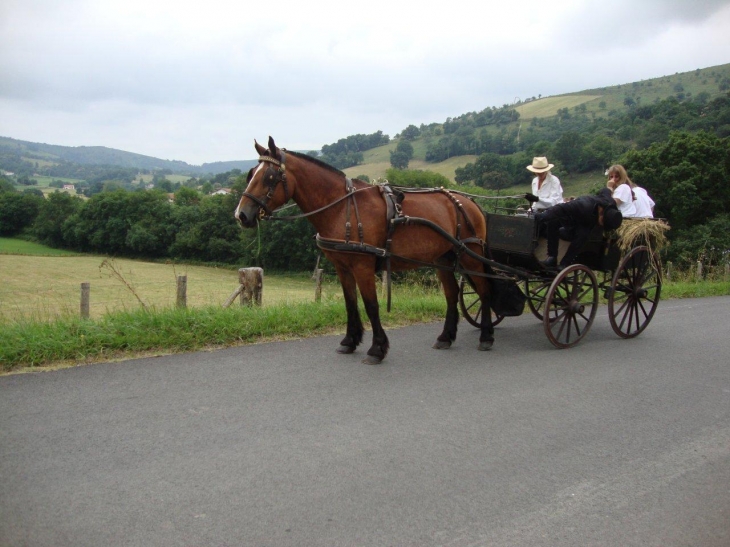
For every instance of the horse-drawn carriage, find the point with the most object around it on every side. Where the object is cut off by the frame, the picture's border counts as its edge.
(363, 228)
(566, 302)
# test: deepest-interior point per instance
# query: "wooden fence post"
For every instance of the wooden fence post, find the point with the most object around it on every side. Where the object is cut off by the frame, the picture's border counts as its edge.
(85, 298)
(318, 284)
(182, 291)
(699, 270)
(252, 283)
(669, 270)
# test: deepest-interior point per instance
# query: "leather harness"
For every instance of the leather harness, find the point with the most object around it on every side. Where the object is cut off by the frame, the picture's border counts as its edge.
(394, 217)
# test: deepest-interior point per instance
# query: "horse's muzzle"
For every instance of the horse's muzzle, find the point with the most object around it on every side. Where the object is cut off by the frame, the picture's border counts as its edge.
(246, 221)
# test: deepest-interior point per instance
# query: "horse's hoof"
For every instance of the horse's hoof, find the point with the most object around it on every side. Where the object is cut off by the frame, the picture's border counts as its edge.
(345, 350)
(485, 346)
(371, 360)
(440, 344)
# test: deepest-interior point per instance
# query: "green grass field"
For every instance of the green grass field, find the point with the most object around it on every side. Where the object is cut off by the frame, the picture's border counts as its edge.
(20, 247)
(549, 106)
(44, 284)
(44, 184)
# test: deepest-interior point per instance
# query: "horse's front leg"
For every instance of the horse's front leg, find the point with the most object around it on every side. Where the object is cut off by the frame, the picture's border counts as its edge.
(355, 329)
(451, 292)
(368, 291)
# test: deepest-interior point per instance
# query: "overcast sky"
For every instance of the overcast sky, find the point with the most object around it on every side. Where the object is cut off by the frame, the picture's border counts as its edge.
(199, 80)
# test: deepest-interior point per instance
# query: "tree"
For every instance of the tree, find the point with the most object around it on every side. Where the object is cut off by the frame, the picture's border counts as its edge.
(207, 231)
(53, 212)
(402, 155)
(687, 177)
(122, 223)
(17, 211)
(416, 179)
(411, 133)
(568, 150)
(187, 196)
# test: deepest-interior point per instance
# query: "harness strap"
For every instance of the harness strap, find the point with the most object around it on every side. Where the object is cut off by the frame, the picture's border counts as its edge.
(392, 211)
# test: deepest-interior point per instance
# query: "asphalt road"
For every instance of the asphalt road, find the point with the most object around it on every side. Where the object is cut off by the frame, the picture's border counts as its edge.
(614, 442)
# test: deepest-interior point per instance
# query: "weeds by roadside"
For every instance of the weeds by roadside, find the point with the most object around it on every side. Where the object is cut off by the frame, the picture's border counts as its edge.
(71, 341)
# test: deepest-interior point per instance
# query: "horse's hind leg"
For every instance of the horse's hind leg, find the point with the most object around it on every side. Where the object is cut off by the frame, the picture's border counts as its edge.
(355, 329)
(451, 292)
(486, 336)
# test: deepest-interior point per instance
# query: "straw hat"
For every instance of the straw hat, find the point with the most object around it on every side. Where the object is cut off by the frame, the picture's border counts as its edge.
(540, 165)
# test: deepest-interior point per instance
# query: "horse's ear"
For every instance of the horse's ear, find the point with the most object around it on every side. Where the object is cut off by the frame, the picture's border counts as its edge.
(272, 147)
(260, 149)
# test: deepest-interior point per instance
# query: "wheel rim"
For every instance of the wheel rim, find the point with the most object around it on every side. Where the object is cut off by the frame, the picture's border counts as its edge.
(570, 306)
(471, 305)
(635, 292)
(536, 292)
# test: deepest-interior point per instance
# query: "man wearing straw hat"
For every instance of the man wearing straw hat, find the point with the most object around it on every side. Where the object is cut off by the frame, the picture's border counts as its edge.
(545, 185)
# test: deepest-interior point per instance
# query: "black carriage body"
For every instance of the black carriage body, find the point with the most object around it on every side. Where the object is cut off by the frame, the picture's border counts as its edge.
(566, 301)
(516, 241)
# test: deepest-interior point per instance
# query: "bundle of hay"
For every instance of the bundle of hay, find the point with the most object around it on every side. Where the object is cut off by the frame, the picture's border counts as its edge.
(642, 231)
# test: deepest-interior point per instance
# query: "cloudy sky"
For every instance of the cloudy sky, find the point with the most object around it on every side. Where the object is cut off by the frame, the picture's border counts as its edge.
(199, 80)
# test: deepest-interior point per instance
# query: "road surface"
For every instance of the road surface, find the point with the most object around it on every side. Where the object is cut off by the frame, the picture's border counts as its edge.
(613, 442)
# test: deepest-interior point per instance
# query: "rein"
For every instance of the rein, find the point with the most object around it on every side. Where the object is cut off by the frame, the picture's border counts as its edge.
(324, 208)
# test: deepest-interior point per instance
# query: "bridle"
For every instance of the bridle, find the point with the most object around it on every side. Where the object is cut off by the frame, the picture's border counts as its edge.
(272, 178)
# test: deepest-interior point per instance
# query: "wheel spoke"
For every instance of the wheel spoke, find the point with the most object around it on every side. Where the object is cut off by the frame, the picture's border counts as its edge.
(634, 293)
(570, 306)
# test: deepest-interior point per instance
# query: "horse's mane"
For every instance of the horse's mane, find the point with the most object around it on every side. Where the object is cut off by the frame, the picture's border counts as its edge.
(318, 162)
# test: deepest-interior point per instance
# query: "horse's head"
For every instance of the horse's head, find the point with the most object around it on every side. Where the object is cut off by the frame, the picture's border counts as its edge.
(266, 188)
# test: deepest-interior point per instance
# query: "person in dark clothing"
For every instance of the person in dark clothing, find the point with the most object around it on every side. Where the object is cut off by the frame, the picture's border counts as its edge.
(575, 221)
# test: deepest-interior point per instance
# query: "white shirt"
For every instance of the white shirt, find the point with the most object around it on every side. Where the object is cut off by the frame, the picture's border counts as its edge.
(550, 193)
(627, 207)
(644, 204)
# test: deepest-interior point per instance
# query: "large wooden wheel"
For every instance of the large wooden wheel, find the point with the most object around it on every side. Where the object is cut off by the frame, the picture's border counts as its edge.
(471, 305)
(570, 306)
(635, 291)
(536, 292)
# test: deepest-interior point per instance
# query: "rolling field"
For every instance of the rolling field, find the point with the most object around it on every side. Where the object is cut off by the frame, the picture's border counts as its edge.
(377, 169)
(549, 106)
(43, 288)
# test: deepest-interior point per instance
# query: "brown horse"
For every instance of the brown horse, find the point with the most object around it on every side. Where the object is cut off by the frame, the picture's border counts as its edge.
(361, 226)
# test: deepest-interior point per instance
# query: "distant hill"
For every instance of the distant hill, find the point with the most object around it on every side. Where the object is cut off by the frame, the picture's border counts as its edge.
(101, 155)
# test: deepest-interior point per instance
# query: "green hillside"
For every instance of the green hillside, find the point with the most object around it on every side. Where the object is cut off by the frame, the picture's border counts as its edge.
(600, 103)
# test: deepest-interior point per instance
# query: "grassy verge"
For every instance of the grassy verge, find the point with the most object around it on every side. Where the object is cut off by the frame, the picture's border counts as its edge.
(71, 341)
(27, 345)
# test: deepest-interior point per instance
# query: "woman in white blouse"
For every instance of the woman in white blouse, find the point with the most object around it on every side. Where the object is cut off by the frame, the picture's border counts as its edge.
(620, 185)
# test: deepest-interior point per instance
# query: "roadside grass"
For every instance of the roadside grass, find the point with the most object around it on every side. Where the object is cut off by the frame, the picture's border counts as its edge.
(70, 341)
(40, 327)
(27, 345)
